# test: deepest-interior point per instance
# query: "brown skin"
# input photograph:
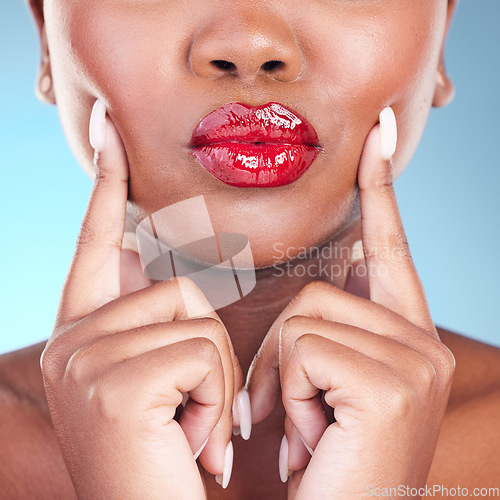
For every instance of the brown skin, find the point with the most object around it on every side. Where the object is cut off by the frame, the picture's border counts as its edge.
(375, 65)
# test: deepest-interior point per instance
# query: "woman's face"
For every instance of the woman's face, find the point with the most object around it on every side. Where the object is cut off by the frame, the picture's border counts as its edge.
(342, 62)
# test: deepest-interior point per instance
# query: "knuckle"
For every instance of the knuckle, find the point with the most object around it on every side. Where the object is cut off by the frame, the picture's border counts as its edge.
(399, 398)
(185, 288)
(384, 180)
(87, 235)
(52, 361)
(294, 323)
(89, 238)
(444, 361)
(183, 283)
(399, 245)
(207, 351)
(105, 178)
(102, 178)
(314, 288)
(426, 374)
(212, 328)
(402, 396)
(110, 401)
(395, 248)
(304, 343)
(80, 365)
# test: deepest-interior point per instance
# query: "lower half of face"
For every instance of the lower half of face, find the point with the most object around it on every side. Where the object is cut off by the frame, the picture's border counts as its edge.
(152, 63)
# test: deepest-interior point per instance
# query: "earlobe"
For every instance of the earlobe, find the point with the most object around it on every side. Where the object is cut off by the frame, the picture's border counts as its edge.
(44, 87)
(444, 89)
(44, 84)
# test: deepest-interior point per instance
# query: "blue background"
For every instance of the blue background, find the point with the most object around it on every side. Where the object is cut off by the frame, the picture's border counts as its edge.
(449, 195)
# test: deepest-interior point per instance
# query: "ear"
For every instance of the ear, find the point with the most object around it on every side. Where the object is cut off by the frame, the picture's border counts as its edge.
(445, 90)
(44, 87)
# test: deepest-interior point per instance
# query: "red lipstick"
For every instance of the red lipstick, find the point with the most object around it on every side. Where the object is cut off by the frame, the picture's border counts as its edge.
(255, 146)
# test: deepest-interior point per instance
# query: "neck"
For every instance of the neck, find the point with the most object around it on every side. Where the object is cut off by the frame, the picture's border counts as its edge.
(249, 319)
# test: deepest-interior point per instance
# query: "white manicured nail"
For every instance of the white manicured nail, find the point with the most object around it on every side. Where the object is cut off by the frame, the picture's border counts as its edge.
(223, 479)
(357, 253)
(244, 413)
(236, 431)
(97, 126)
(283, 460)
(388, 133)
(197, 454)
(309, 449)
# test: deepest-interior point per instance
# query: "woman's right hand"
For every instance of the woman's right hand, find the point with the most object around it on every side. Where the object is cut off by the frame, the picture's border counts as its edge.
(116, 367)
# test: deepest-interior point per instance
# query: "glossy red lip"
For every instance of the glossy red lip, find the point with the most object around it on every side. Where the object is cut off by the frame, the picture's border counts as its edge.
(255, 146)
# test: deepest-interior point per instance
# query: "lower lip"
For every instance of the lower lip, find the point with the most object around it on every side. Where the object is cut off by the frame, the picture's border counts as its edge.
(256, 165)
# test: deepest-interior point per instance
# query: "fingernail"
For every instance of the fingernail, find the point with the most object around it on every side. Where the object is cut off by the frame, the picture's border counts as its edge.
(223, 479)
(283, 460)
(97, 126)
(388, 133)
(236, 431)
(309, 449)
(244, 413)
(197, 454)
(357, 253)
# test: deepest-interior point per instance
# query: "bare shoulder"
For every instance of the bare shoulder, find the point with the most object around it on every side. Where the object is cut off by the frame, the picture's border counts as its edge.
(477, 371)
(468, 451)
(31, 463)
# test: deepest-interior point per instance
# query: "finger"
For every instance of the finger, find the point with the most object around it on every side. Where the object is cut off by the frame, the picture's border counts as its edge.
(170, 300)
(299, 453)
(348, 383)
(165, 301)
(262, 381)
(313, 421)
(393, 279)
(103, 353)
(294, 481)
(94, 275)
(409, 355)
(165, 304)
(317, 300)
(97, 356)
(155, 382)
(162, 302)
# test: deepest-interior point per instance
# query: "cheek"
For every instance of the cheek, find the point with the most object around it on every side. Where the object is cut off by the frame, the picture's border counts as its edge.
(365, 60)
(357, 63)
(126, 57)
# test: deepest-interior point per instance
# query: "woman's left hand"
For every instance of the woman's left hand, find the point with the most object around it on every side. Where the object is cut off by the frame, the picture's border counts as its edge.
(380, 362)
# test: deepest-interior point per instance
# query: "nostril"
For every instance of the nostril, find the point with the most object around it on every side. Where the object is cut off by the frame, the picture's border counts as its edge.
(221, 64)
(272, 65)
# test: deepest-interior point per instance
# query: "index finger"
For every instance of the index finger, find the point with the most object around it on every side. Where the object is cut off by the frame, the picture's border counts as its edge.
(393, 278)
(94, 275)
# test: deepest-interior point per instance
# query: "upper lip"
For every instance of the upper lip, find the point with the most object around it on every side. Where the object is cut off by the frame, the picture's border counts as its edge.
(271, 123)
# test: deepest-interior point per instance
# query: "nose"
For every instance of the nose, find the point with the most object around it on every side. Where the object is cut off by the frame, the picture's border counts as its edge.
(245, 41)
